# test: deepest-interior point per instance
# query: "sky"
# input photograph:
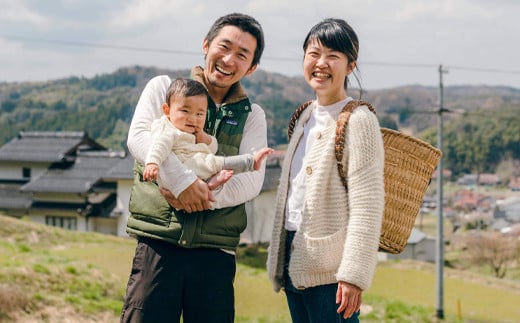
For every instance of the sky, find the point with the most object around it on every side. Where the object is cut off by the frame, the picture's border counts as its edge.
(402, 42)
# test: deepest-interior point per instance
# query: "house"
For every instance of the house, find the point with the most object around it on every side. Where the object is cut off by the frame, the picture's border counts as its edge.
(260, 211)
(489, 179)
(419, 247)
(471, 200)
(468, 180)
(514, 183)
(65, 179)
(484, 179)
(508, 209)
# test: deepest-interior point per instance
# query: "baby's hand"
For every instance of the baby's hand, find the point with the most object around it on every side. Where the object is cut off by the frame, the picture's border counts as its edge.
(260, 156)
(150, 172)
(202, 137)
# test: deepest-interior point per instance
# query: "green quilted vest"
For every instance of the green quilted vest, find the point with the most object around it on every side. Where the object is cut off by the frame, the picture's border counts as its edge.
(151, 216)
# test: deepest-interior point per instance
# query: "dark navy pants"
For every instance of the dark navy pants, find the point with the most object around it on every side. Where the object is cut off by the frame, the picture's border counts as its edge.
(313, 304)
(167, 281)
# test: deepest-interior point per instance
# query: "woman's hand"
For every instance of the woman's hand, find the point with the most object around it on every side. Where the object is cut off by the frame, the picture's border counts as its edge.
(348, 297)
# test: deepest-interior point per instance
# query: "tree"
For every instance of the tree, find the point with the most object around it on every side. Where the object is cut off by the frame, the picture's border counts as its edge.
(494, 250)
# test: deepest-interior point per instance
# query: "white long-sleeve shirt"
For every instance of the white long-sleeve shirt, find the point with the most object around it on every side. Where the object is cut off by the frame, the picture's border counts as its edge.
(174, 175)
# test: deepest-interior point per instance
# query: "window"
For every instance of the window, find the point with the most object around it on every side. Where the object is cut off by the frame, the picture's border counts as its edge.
(62, 222)
(26, 172)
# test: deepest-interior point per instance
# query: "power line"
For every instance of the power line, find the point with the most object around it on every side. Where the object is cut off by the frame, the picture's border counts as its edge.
(99, 45)
(487, 70)
(276, 58)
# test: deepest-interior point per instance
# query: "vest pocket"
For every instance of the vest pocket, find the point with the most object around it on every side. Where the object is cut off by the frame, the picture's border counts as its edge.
(147, 203)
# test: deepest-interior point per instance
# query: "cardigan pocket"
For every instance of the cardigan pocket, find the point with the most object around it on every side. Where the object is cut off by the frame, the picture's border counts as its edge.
(319, 254)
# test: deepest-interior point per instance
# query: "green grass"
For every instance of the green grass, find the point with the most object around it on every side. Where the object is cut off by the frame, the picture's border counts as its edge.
(475, 294)
(46, 272)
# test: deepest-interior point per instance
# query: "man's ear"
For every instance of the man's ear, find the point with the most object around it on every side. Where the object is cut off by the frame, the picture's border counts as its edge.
(252, 69)
(166, 108)
(205, 46)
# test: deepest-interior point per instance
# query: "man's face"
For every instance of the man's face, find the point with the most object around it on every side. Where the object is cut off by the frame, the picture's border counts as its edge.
(229, 57)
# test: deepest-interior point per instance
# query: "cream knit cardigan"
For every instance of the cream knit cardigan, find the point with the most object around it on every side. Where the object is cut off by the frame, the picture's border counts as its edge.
(338, 238)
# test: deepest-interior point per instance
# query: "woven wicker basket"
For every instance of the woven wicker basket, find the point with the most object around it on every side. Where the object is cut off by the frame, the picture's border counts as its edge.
(409, 166)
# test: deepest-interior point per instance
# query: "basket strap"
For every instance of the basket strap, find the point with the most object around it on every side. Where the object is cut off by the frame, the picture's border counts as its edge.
(294, 118)
(341, 128)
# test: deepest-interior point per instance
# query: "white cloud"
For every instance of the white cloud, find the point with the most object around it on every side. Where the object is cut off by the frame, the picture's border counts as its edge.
(473, 33)
(143, 12)
(416, 10)
(19, 12)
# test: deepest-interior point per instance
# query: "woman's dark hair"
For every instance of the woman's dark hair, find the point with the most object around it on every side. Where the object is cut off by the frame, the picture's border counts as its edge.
(245, 23)
(337, 35)
(184, 88)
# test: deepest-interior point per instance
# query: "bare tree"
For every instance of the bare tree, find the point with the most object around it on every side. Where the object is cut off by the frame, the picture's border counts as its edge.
(494, 250)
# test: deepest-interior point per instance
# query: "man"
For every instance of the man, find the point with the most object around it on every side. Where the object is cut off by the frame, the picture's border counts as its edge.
(184, 262)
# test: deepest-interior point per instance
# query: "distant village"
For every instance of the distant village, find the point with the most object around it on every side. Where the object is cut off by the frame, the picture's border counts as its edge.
(68, 180)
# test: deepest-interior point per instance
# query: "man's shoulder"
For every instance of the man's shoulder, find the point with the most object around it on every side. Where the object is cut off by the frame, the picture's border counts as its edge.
(256, 108)
(160, 81)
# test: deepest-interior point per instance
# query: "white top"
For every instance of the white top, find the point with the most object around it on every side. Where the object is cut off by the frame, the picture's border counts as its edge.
(318, 121)
(175, 176)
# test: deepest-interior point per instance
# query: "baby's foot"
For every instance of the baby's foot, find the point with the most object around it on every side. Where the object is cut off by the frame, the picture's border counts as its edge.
(219, 178)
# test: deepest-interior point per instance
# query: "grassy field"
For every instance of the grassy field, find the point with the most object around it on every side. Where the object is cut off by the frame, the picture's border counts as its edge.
(52, 275)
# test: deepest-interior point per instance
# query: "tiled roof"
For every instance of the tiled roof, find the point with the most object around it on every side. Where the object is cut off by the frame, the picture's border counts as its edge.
(122, 170)
(43, 146)
(12, 198)
(88, 169)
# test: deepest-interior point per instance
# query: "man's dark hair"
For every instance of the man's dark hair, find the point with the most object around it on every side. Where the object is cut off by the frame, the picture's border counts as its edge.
(245, 23)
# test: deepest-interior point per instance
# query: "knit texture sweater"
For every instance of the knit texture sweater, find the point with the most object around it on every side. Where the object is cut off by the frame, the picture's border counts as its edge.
(339, 233)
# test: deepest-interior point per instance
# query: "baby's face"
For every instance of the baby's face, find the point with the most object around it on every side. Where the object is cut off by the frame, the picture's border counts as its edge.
(188, 114)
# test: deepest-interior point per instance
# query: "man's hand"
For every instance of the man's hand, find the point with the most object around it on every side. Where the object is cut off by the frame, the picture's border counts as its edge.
(348, 297)
(196, 197)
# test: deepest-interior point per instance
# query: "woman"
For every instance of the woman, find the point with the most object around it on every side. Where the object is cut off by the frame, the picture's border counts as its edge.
(323, 250)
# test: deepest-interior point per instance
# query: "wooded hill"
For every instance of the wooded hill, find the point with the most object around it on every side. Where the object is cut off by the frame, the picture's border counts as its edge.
(482, 131)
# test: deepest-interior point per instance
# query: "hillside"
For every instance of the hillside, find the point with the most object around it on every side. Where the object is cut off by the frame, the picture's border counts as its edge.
(53, 275)
(103, 106)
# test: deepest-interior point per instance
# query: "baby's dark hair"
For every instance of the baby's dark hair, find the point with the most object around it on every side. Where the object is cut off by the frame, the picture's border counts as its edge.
(184, 88)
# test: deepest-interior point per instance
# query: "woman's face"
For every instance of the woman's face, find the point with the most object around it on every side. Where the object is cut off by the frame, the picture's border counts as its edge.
(325, 71)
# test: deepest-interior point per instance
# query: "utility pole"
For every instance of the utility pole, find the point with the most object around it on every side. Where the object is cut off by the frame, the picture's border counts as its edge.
(439, 255)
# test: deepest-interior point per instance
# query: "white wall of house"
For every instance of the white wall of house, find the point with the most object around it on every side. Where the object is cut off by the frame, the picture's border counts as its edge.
(103, 225)
(423, 250)
(63, 219)
(260, 217)
(14, 170)
(123, 199)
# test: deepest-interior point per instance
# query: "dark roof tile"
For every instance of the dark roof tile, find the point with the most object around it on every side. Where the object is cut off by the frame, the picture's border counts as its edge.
(43, 146)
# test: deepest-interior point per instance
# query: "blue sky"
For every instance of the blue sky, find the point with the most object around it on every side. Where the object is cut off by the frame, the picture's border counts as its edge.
(402, 41)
